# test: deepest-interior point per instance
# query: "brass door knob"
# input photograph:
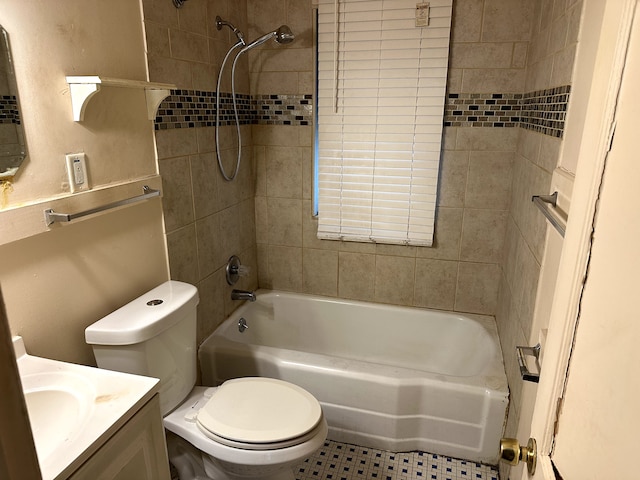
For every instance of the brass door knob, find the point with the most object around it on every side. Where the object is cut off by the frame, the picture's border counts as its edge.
(512, 453)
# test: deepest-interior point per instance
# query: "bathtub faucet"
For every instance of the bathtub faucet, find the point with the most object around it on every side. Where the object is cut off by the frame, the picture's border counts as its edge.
(243, 295)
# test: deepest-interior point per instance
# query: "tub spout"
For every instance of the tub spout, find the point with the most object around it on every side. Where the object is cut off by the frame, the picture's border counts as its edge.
(243, 295)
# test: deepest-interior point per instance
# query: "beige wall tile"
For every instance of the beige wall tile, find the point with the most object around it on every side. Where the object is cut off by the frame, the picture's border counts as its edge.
(264, 278)
(188, 46)
(176, 192)
(160, 11)
(320, 272)
(466, 23)
(483, 235)
(265, 16)
(157, 39)
(549, 153)
(285, 221)
(193, 17)
(504, 80)
(356, 276)
(211, 307)
(204, 178)
(284, 172)
(489, 180)
(210, 258)
(394, 280)
(276, 135)
(481, 55)
(299, 19)
(435, 285)
(481, 138)
(477, 288)
(170, 70)
(396, 250)
(269, 82)
(529, 144)
(520, 52)
(558, 34)
(563, 66)
(262, 223)
(176, 142)
(183, 258)
(452, 185)
(447, 235)
(285, 268)
(507, 20)
(283, 58)
(454, 80)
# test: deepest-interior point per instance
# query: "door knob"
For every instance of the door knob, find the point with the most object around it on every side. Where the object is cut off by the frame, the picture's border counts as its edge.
(512, 453)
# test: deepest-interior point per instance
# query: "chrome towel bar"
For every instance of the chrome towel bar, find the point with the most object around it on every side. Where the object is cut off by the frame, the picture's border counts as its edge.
(51, 217)
(548, 206)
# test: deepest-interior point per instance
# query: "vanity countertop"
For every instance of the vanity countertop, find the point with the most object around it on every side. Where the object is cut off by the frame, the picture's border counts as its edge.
(74, 409)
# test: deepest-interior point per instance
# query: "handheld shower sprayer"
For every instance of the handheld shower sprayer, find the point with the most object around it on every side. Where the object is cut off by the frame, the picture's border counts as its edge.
(283, 35)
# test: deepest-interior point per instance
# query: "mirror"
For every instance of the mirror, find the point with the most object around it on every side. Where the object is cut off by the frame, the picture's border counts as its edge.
(13, 148)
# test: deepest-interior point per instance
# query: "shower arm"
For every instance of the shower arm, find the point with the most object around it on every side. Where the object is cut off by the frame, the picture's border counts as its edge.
(223, 23)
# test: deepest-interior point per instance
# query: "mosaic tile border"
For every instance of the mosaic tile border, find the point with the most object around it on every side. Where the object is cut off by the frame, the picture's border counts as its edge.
(543, 111)
(482, 110)
(340, 461)
(194, 108)
(9, 112)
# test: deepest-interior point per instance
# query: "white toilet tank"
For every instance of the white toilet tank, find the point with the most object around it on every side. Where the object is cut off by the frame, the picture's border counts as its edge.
(154, 335)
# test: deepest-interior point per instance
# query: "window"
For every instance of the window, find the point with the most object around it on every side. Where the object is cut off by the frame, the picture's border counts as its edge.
(380, 101)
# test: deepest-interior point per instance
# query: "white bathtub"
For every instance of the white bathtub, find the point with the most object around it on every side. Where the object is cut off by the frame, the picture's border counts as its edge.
(391, 378)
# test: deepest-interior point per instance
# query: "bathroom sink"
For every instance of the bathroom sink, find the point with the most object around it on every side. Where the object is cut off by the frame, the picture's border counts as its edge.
(74, 409)
(59, 405)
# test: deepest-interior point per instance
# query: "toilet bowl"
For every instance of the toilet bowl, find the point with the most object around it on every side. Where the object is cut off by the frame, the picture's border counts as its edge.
(251, 427)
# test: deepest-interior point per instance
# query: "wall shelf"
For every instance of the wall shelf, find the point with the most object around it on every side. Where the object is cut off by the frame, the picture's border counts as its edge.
(83, 88)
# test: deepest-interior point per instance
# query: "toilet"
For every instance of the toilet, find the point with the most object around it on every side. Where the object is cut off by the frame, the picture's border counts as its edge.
(251, 427)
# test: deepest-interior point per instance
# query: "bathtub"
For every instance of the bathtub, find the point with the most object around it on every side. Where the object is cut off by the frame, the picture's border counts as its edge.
(391, 378)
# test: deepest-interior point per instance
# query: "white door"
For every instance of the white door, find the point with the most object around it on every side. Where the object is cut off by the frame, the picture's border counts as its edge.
(593, 317)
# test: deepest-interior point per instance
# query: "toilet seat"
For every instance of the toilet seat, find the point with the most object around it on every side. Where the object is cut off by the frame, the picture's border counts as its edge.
(257, 413)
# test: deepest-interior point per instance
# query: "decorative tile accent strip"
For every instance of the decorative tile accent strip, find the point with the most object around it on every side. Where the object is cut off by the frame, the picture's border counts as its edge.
(482, 110)
(9, 109)
(544, 111)
(194, 108)
(284, 109)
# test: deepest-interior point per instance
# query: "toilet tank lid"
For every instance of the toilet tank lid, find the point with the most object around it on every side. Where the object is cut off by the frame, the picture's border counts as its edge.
(146, 316)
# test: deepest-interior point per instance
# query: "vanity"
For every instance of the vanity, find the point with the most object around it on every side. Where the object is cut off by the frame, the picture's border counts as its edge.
(91, 424)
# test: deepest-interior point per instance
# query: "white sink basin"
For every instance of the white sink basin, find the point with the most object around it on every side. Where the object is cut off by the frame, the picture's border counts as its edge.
(59, 405)
(74, 409)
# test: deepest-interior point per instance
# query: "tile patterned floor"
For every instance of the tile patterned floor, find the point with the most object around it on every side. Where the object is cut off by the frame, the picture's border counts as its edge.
(340, 461)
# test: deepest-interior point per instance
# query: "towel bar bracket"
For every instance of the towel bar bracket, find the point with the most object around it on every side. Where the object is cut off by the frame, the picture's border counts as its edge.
(547, 204)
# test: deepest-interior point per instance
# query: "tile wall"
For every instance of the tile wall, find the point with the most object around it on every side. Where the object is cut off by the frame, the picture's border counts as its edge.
(462, 271)
(206, 218)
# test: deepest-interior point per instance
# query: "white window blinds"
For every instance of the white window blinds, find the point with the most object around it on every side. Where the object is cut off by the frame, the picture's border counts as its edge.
(381, 93)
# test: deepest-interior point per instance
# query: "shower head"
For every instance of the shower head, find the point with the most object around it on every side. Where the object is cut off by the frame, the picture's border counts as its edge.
(282, 35)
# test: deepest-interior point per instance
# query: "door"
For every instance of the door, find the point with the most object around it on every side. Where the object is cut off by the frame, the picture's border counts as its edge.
(584, 415)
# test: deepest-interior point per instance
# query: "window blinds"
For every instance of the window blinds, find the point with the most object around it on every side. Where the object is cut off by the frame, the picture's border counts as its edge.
(381, 92)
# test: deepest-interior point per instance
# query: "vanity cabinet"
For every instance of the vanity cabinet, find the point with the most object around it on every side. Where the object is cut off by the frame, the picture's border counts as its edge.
(137, 451)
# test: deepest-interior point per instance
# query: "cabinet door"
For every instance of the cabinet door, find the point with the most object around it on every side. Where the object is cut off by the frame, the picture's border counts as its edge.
(136, 452)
